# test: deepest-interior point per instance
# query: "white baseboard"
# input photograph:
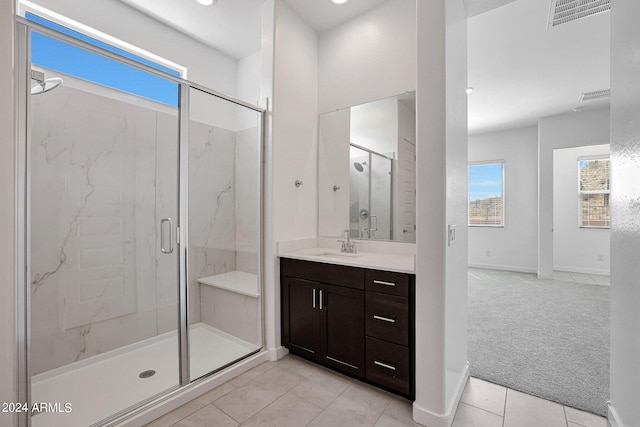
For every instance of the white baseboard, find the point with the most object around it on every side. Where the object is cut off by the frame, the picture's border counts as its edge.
(613, 417)
(277, 353)
(503, 267)
(428, 418)
(600, 272)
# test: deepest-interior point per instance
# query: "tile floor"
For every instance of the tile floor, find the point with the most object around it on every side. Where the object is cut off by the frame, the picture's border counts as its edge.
(294, 392)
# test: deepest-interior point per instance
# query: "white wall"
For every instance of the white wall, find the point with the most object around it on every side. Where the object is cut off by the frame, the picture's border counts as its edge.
(295, 126)
(582, 250)
(248, 79)
(625, 228)
(370, 57)
(441, 280)
(333, 169)
(514, 246)
(290, 80)
(8, 362)
(375, 126)
(590, 127)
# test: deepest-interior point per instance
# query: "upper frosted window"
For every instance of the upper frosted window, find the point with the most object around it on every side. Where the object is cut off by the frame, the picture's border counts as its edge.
(60, 56)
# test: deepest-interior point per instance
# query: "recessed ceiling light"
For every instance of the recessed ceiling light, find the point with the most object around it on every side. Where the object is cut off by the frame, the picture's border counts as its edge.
(205, 2)
(339, 2)
(469, 90)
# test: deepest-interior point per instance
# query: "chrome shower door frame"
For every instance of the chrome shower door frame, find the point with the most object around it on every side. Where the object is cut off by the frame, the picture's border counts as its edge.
(22, 70)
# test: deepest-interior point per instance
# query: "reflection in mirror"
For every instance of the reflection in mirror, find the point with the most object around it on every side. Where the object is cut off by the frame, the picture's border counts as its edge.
(366, 157)
(370, 200)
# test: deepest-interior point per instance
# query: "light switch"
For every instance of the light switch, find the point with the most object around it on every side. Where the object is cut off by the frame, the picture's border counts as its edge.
(452, 234)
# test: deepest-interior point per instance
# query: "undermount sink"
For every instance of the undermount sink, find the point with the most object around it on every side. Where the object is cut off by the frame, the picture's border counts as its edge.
(336, 255)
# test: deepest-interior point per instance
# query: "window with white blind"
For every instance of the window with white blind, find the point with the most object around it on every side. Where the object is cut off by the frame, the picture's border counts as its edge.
(593, 193)
(486, 194)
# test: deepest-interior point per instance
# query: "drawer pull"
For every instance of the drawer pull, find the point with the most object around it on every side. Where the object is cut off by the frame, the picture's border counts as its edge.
(342, 363)
(382, 282)
(384, 319)
(384, 365)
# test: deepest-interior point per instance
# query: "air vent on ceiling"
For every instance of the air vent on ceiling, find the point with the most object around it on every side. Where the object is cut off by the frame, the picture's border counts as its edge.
(596, 94)
(563, 11)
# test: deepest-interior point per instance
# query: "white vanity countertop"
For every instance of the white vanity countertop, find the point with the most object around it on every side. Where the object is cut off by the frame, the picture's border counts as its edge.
(317, 250)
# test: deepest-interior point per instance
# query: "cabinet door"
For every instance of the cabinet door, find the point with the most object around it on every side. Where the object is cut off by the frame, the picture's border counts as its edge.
(343, 313)
(301, 317)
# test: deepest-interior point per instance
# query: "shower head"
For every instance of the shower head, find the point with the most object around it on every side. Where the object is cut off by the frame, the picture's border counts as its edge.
(38, 87)
(359, 166)
(41, 85)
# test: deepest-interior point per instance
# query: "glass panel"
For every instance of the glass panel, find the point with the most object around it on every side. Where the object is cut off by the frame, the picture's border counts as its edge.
(224, 233)
(103, 174)
(381, 203)
(359, 200)
(485, 194)
(594, 193)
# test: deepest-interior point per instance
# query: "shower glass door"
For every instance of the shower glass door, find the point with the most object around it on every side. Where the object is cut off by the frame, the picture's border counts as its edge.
(102, 209)
(370, 194)
(224, 229)
(143, 233)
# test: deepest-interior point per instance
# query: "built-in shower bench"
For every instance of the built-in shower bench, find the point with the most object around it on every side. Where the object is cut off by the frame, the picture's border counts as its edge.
(234, 281)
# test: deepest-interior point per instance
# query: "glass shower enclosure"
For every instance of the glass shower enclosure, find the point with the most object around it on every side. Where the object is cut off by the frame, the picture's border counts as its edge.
(370, 194)
(141, 233)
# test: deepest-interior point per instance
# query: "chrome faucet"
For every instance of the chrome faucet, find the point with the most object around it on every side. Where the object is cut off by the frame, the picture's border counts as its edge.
(347, 246)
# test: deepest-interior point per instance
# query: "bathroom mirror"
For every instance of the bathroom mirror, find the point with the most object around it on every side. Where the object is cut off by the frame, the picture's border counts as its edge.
(366, 170)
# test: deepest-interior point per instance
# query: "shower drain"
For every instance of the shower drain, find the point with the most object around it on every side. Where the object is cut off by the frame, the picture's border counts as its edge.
(147, 374)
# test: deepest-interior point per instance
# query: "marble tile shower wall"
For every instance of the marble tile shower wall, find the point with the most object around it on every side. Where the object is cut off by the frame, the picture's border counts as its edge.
(212, 227)
(103, 173)
(247, 177)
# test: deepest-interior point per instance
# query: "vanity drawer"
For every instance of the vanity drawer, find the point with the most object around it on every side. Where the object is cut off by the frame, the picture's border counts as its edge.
(388, 365)
(387, 317)
(341, 275)
(387, 282)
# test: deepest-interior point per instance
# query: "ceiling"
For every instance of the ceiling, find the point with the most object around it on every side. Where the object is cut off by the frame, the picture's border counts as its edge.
(233, 26)
(522, 71)
(322, 15)
(230, 26)
(519, 69)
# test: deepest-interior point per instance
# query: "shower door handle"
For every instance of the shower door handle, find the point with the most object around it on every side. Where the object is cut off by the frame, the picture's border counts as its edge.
(372, 228)
(163, 228)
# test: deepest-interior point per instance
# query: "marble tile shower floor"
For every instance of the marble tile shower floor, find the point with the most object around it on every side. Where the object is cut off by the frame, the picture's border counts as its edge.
(103, 385)
(294, 392)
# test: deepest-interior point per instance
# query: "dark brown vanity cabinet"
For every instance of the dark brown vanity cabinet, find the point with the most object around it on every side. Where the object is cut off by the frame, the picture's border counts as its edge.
(323, 322)
(355, 320)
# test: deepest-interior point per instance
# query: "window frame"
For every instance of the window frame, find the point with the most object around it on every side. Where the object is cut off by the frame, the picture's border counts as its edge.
(581, 225)
(502, 163)
(128, 79)
(90, 32)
